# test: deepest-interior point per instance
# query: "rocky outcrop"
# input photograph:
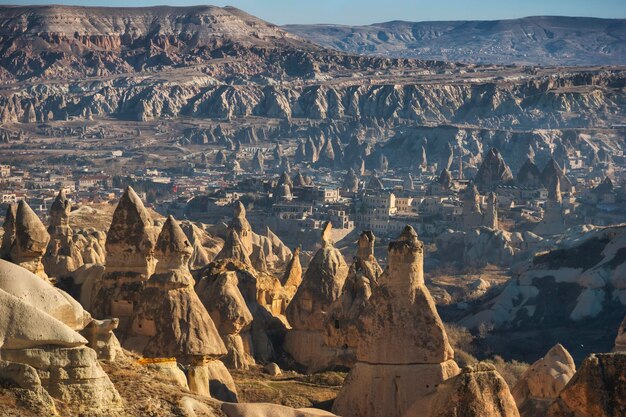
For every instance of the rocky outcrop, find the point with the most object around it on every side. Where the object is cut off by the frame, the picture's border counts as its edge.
(130, 260)
(42, 295)
(597, 389)
(542, 382)
(585, 269)
(292, 278)
(403, 352)
(31, 240)
(231, 315)
(478, 391)
(54, 356)
(341, 330)
(320, 287)
(493, 171)
(9, 232)
(178, 326)
(217, 291)
(529, 175)
(63, 254)
(482, 246)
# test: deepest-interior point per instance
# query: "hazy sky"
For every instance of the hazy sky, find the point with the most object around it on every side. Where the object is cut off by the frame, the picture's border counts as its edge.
(371, 11)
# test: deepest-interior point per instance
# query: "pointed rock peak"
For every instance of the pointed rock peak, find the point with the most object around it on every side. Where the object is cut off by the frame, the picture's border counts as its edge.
(240, 210)
(327, 238)
(61, 203)
(60, 210)
(172, 241)
(234, 249)
(131, 223)
(28, 222)
(560, 354)
(298, 180)
(366, 244)
(408, 235)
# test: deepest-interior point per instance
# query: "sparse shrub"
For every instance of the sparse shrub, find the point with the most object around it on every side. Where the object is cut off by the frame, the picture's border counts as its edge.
(461, 341)
(510, 371)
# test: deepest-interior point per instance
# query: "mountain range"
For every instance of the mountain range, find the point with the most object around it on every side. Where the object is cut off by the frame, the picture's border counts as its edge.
(540, 40)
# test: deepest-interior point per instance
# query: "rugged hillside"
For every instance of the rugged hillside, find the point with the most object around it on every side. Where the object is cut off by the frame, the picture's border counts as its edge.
(61, 63)
(543, 40)
(67, 42)
(584, 275)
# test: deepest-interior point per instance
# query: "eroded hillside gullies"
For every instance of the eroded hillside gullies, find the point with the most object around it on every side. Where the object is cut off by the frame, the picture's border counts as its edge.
(581, 99)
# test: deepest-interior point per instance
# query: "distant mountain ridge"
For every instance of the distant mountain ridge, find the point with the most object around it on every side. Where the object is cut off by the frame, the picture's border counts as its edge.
(540, 40)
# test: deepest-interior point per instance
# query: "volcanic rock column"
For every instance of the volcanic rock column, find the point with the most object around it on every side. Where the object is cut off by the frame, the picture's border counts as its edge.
(320, 287)
(341, 330)
(9, 232)
(130, 260)
(228, 309)
(62, 255)
(403, 353)
(169, 319)
(31, 240)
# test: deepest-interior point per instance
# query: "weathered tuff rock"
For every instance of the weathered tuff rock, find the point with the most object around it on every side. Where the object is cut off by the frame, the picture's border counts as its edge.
(341, 331)
(178, 325)
(529, 175)
(586, 268)
(292, 278)
(130, 259)
(31, 240)
(403, 352)
(320, 287)
(478, 391)
(263, 253)
(63, 255)
(265, 327)
(55, 356)
(493, 171)
(598, 389)
(542, 382)
(42, 295)
(231, 315)
(9, 232)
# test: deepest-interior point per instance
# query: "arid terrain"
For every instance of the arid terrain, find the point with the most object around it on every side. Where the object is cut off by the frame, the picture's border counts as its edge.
(211, 215)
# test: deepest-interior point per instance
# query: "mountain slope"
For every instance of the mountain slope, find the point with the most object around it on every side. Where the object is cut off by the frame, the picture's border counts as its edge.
(67, 42)
(542, 40)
